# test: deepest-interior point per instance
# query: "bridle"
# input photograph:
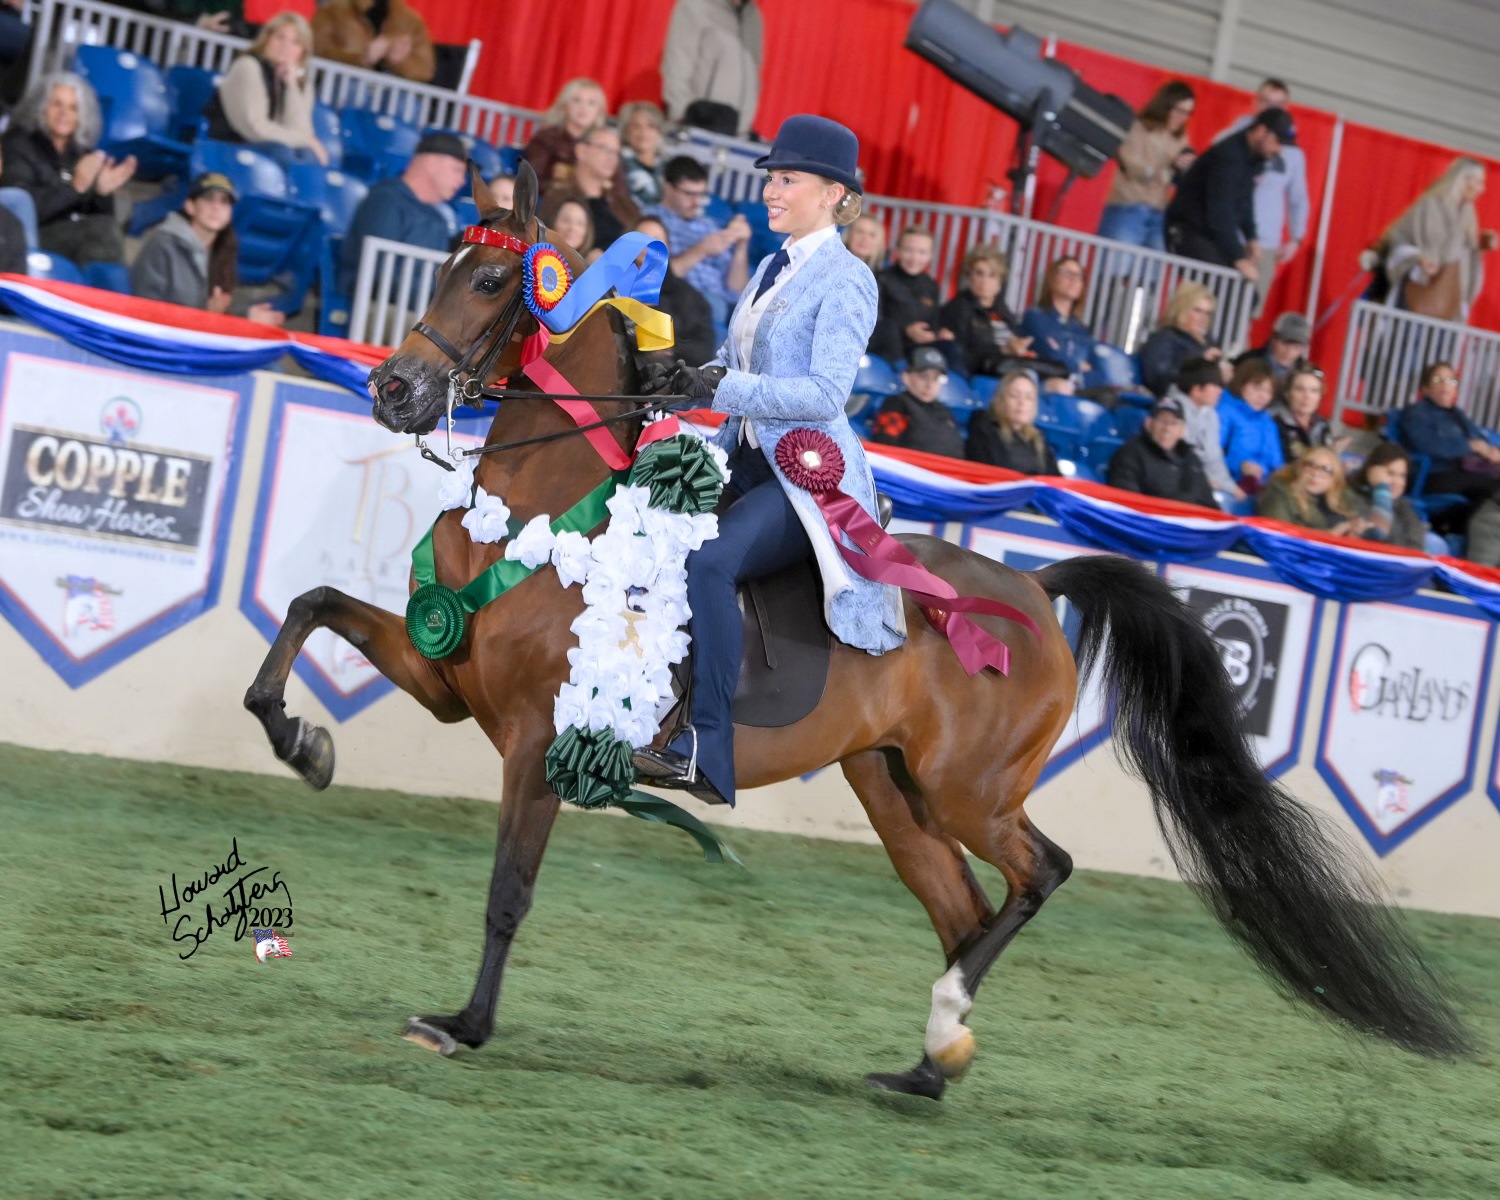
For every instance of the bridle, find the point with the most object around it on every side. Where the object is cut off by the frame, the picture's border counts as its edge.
(466, 381)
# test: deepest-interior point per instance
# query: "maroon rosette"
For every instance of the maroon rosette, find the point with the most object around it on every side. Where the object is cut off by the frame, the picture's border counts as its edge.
(810, 459)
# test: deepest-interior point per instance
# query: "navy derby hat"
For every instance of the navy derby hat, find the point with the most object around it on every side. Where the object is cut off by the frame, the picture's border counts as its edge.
(817, 145)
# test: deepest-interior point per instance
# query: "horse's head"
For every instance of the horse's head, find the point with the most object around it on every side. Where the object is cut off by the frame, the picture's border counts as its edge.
(477, 320)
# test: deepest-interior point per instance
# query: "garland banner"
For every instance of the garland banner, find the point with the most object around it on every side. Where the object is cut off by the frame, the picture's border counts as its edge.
(1401, 726)
(115, 491)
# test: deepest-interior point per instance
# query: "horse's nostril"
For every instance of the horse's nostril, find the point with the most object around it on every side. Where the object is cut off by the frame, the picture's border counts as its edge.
(395, 387)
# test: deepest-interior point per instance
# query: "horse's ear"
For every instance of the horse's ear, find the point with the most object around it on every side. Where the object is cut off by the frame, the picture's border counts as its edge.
(523, 207)
(484, 199)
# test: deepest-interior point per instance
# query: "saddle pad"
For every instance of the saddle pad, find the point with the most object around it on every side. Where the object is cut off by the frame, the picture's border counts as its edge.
(787, 647)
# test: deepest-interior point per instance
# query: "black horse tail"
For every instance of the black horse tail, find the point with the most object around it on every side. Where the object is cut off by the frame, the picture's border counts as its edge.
(1278, 878)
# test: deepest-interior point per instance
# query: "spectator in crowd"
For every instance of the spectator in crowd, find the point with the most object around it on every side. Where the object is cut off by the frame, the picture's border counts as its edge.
(866, 241)
(594, 184)
(1055, 326)
(574, 224)
(266, 96)
(908, 315)
(692, 320)
(405, 207)
(190, 258)
(1152, 155)
(217, 16)
(711, 60)
(17, 227)
(15, 33)
(1431, 259)
(1286, 348)
(1212, 216)
(1006, 435)
(914, 419)
(641, 128)
(1158, 462)
(1198, 387)
(1183, 334)
(577, 109)
(1381, 483)
(1247, 430)
(1464, 463)
(503, 189)
(383, 35)
(1301, 425)
(714, 259)
(1281, 202)
(49, 152)
(1311, 492)
(983, 328)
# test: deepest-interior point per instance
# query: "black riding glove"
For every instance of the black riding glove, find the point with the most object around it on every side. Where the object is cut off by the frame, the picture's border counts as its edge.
(656, 377)
(694, 384)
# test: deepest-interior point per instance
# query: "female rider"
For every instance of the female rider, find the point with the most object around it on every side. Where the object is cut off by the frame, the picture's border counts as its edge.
(794, 345)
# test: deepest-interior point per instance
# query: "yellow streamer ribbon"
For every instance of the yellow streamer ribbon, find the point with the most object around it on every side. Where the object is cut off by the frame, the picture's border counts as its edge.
(653, 328)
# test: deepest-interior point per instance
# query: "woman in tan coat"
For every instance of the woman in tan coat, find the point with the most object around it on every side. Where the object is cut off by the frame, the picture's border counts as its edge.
(1153, 152)
(266, 97)
(383, 35)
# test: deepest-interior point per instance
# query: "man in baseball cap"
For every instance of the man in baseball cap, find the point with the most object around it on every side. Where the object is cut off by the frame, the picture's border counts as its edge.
(915, 419)
(1159, 462)
(1286, 349)
(405, 209)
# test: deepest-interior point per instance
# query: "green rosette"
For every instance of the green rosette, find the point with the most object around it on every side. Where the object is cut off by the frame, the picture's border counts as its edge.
(591, 768)
(680, 473)
(435, 620)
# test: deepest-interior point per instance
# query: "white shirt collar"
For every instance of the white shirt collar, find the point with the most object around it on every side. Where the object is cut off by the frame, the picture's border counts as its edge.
(802, 249)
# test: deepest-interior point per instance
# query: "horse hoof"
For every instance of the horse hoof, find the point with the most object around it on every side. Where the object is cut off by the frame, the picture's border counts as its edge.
(429, 1037)
(924, 1079)
(311, 755)
(954, 1058)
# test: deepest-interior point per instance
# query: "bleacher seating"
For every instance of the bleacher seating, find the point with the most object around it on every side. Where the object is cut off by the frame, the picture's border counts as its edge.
(1113, 368)
(42, 265)
(333, 305)
(376, 146)
(335, 194)
(112, 277)
(875, 381)
(189, 89)
(136, 110)
(330, 131)
(485, 156)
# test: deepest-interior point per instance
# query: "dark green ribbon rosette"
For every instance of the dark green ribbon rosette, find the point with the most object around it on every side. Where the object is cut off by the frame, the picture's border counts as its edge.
(681, 475)
(435, 620)
(591, 768)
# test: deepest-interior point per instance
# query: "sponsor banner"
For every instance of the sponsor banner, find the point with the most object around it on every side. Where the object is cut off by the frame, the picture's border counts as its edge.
(1029, 545)
(113, 501)
(1267, 633)
(342, 502)
(1400, 730)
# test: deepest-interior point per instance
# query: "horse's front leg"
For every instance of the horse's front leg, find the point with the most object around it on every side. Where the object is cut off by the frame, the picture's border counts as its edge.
(528, 808)
(379, 635)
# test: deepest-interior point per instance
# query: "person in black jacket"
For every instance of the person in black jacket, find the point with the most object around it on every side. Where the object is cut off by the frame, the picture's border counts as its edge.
(1182, 336)
(983, 328)
(1212, 216)
(1157, 462)
(49, 152)
(908, 313)
(915, 419)
(692, 319)
(1006, 435)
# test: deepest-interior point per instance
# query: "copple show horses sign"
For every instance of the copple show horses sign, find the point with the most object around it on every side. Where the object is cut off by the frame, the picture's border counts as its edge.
(342, 502)
(113, 501)
(1401, 726)
(1266, 632)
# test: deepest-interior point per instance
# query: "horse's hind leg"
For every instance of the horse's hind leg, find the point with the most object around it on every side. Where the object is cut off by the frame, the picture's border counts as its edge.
(933, 867)
(379, 635)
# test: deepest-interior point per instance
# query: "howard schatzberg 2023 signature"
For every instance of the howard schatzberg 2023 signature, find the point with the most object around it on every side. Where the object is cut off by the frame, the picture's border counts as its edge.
(252, 899)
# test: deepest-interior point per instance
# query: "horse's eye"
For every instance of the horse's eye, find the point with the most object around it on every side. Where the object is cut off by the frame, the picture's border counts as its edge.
(489, 285)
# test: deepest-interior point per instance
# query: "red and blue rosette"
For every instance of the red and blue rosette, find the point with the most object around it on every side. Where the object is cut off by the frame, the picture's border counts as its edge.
(545, 278)
(812, 461)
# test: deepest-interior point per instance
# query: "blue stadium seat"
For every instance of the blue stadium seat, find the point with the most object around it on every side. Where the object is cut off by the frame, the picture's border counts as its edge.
(189, 89)
(983, 387)
(376, 146)
(330, 131)
(956, 393)
(112, 277)
(335, 194)
(763, 240)
(42, 265)
(874, 381)
(510, 159)
(273, 226)
(136, 110)
(718, 208)
(466, 211)
(1100, 450)
(485, 156)
(333, 306)
(1072, 468)
(1085, 412)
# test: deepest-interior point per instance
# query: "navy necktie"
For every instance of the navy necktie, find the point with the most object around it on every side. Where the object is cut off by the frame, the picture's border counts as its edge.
(773, 269)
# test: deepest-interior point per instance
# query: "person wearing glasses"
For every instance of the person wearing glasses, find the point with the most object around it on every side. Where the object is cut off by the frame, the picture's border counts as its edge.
(714, 258)
(1055, 326)
(595, 184)
(1183, 334)
(1298, 417)
(1313, 493)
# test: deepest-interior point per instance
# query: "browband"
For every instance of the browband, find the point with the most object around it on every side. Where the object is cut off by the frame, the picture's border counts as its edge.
(495, 237)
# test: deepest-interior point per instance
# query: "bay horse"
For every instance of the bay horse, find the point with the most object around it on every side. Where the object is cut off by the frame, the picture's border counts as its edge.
(941, 761)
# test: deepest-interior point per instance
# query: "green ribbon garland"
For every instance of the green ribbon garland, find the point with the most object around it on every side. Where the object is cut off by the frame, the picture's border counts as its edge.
(681, 475)
(589, 767)
(435, 615)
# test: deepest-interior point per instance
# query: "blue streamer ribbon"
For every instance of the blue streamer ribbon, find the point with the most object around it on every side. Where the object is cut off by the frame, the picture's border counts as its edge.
(616, 271)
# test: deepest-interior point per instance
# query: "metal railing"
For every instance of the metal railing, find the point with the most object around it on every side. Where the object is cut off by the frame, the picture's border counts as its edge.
(63, 25)
(1128, 286)
(1386, 350)
(392, 290)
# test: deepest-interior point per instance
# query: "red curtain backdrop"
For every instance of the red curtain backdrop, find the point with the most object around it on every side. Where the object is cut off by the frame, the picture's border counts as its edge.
(922, 136)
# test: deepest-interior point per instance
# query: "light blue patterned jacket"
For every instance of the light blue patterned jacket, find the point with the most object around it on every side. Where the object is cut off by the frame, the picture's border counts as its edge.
(802, 366)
